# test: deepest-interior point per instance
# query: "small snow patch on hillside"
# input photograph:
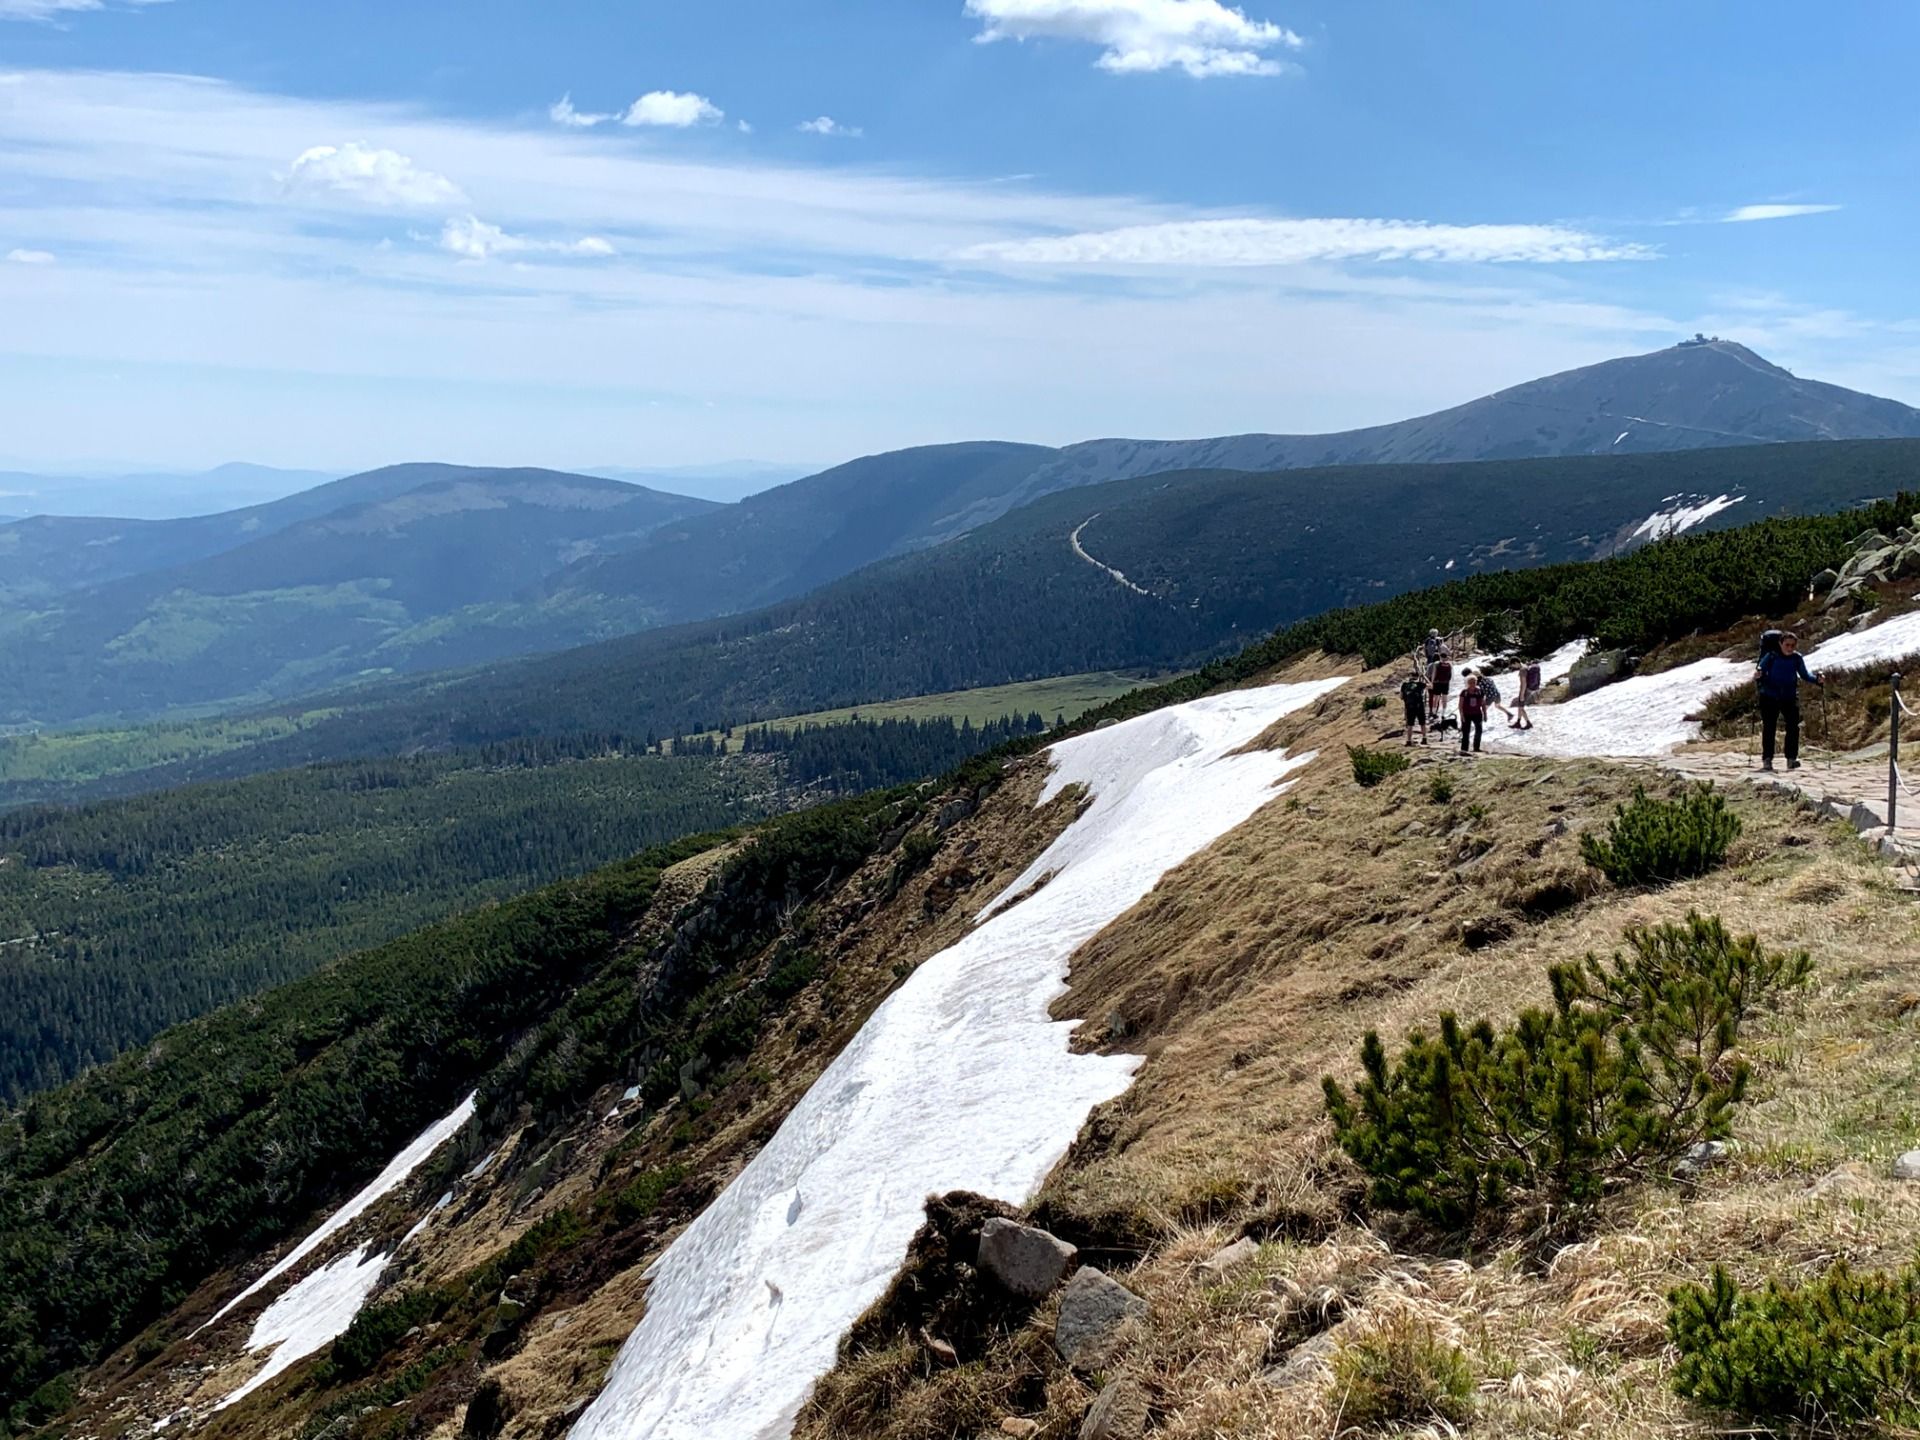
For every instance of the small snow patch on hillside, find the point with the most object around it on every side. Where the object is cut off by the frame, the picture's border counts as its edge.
(402, 1165)
(1692, 512)
(312, 1314)
(961, 1080)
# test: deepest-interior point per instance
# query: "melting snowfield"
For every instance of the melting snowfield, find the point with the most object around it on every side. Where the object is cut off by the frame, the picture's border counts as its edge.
(960, 1080)
(317, 1310)
(402, 1165)
(1663, 523)
(1646, 714)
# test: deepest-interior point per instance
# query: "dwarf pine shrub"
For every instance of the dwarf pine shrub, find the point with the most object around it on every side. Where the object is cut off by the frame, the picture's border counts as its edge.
(1370, 767)
(1655, 842)
(1440, 787)
(1632, 1066)
(1374, 702)
(1841, 1350)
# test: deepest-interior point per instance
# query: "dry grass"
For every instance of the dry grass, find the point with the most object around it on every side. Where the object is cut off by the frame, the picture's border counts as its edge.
(1256, 967)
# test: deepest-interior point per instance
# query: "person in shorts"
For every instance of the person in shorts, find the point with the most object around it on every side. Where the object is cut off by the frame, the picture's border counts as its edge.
(1439, 682)
(1413, 700)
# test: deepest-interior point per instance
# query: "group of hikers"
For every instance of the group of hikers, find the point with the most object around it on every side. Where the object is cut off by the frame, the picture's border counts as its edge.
(1424, 695)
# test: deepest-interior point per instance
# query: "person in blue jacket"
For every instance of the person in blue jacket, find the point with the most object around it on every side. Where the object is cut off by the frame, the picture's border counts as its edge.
(1778, 677)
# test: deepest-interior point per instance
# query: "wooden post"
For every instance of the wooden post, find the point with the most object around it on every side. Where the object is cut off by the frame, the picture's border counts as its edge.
(1893, 757)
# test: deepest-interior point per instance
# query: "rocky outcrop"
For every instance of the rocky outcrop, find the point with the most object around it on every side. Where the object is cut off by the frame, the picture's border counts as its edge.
(1907, 1167)
(1876, 558)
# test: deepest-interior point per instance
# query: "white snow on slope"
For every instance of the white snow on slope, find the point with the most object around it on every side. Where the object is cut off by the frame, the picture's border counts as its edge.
(1895, 640)
(1641, 715)
(1663, 523)
(402, 1165)
(312, 1314)
(1646, 714)
(960, 1080)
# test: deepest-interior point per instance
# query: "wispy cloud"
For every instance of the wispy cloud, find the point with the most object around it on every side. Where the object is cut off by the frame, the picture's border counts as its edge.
(561, 112)
(30, 257)
(474, 239)
(1202, 37)
(378, 177)
(676, 109)
(1211, 243)
(827, 125)
(1774, 212)
(51, 9)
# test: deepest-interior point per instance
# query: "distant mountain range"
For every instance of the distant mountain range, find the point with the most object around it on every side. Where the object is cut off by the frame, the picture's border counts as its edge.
(726, 481)
(1152, 571)
(417, 567)
(153, 495)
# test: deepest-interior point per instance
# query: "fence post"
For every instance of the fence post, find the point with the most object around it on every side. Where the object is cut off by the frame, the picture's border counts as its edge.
(1893, 757)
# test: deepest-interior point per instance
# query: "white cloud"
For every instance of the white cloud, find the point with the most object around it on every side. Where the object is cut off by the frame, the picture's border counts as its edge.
(1211, 243)
(674, 109)
(380, 177)
(1202, 37)
(30, 257)
(474, 239)
(561, 112)
(745, 127)
(827, 125)
(1774, 212)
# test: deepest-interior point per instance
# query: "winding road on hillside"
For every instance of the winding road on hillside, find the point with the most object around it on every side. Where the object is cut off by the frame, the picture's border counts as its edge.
(1078, 549)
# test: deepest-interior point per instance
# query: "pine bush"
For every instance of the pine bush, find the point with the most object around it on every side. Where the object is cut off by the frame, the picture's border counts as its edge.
(1655, 842)
(1632, 1066)
(1370, 767)
(1841, 1350)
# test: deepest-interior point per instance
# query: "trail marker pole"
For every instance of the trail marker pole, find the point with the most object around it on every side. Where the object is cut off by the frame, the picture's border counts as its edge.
(1893, 756)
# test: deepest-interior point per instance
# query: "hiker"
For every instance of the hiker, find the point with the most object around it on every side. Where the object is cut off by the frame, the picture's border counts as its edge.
(1529, 687)
(1439, 682)
(1490, 692)
(1778, 677)
(1433, 647)
(1413, 701)
(1473, 712)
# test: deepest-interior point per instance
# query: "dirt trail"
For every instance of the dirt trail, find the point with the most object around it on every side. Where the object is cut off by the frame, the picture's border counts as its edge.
(1074, 540)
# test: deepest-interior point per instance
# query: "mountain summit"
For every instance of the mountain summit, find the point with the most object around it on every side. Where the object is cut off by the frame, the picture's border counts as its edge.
(1694, 395)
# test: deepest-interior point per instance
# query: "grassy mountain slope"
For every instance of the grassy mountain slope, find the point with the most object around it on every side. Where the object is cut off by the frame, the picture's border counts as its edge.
(390, 571)
(723, 1010)
(1221, 556)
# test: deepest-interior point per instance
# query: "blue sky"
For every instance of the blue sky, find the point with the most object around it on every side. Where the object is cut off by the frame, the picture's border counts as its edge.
(340, 235)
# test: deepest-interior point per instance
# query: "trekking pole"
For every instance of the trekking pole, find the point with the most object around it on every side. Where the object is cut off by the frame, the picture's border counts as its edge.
(1826, 726)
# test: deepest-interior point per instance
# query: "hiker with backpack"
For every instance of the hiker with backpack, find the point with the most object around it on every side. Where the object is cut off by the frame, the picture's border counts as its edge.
(1439, 682)
(1433, 647)
(1777, 678)
(1413, 701)
(1473, 712)
(1529, 687)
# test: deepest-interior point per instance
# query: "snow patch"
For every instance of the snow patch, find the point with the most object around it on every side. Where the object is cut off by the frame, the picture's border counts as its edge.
(312, 1314)
(960, 1080)
(1663, 523)
(1894, 640)
(402, 1165)
(1556, 666)
(1641, 715)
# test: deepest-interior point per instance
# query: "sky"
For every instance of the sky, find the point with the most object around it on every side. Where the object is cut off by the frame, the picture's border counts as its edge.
(653, 233)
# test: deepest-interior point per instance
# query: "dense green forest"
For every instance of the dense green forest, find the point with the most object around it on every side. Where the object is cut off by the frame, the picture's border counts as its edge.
(1225, 556)
(120, 918)
(330, 1075)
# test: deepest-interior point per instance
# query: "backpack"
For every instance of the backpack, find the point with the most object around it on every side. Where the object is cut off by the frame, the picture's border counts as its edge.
(1769, 644)
(1532, 681)
(1442, 674)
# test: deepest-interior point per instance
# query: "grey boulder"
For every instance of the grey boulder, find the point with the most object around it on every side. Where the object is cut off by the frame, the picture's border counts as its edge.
(1093, 1311)
(1026, 1261)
